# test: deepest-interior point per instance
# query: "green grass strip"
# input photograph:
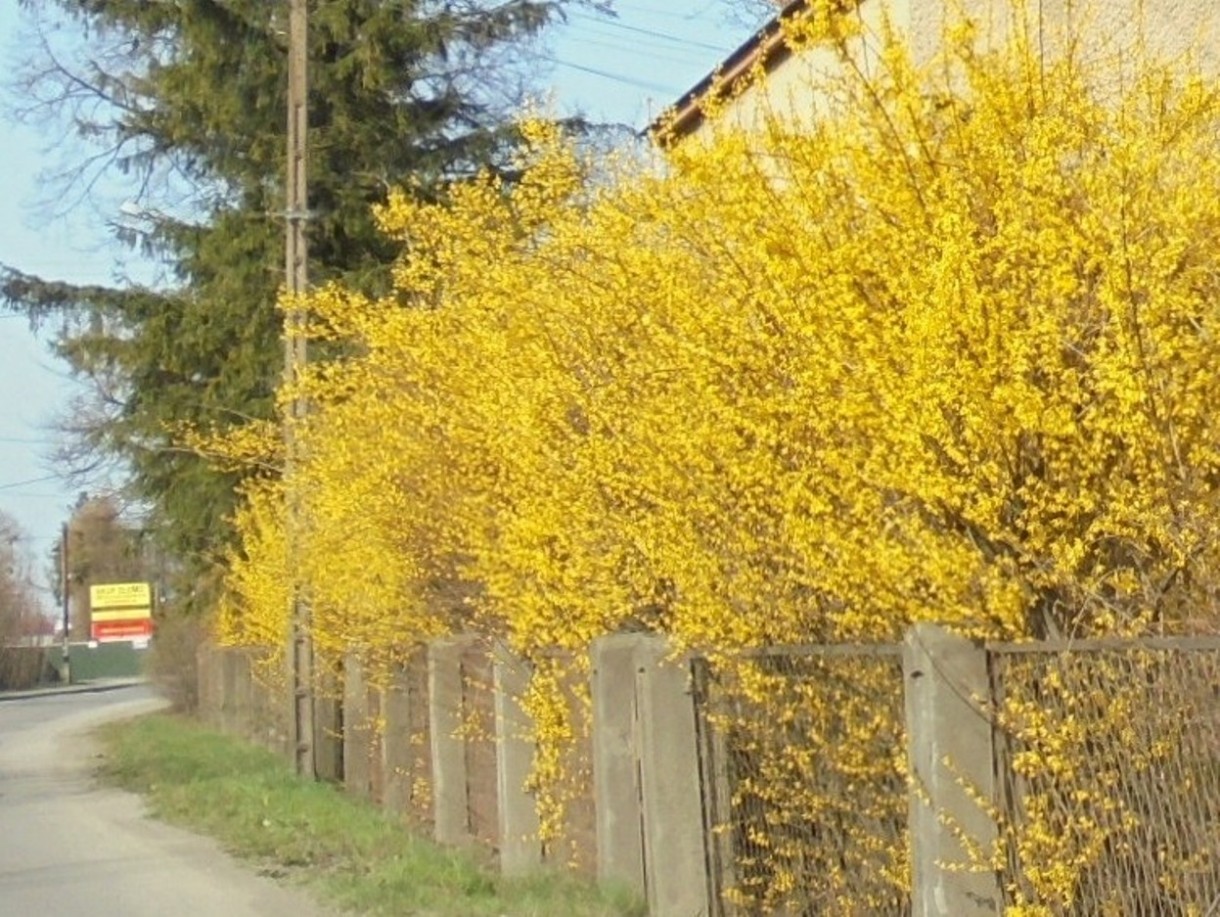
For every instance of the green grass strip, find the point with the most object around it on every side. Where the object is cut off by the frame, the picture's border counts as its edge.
(361, 858)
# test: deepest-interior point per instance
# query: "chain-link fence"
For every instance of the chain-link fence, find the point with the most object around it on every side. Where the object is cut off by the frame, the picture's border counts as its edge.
(1108, 758)
(1106, 798)
(803, 769)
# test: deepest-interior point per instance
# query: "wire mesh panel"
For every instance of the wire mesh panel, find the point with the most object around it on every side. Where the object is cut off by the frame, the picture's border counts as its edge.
(1109, 778)
(419, 727)
(479, 736)
(565, 789)
(803, 766)
(406, 745)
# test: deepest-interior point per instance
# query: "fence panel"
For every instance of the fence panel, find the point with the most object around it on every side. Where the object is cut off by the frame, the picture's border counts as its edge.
(1109, 766)
(803, 772)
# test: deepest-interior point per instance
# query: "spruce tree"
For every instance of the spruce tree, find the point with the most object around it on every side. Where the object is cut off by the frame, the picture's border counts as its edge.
(186, 98)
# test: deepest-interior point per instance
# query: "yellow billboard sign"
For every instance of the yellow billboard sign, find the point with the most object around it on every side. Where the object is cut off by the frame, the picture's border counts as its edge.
(120, 595)
(121, 614)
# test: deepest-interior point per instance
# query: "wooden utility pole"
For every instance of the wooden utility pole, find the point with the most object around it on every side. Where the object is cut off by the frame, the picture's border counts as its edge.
(64, 586)
(300, 652)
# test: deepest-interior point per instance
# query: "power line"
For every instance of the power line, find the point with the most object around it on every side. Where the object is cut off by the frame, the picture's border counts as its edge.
(42, 480)
(617, 77)
(636, 48)
(652, 33)
(650, 10)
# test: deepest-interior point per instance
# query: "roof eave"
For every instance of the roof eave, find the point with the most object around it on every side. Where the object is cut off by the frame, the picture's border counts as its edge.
(766, 48)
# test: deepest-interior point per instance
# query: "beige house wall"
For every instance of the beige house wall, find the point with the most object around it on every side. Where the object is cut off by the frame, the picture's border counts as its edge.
(1110, 34)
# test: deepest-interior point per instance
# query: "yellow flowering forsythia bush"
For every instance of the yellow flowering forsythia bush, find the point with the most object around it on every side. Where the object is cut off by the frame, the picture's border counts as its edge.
(947, 353)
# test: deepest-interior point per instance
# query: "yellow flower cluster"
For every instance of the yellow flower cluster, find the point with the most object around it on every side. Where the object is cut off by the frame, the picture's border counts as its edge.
(947, 355)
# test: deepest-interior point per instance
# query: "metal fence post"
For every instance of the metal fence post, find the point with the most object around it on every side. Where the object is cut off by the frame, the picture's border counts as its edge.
(951, 760)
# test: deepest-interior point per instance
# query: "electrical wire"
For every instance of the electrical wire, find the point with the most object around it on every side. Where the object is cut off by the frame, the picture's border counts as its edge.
(652, 33)
(617, 77)
(649, 9)
(640, 49)
(15, 484)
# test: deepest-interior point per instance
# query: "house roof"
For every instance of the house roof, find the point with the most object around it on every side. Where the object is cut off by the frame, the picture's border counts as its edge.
(766, 47)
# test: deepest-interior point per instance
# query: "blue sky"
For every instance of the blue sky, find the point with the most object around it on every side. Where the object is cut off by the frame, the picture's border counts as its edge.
(622, 70)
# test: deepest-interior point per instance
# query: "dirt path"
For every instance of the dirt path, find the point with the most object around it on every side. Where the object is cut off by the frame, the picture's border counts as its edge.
(71, 848)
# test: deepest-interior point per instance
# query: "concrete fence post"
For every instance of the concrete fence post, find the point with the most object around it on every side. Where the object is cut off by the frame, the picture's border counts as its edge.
(618, 816)
(357, 730)
(520, 846)
(376, 715)
(205, 686)
(229, 711)
(328, 721)
(670, 793)
(451, 818)
(950, 757)
(396, 751)
(247, 698)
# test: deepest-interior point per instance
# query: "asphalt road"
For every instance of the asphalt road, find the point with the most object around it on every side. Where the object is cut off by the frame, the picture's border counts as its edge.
(71, 848)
